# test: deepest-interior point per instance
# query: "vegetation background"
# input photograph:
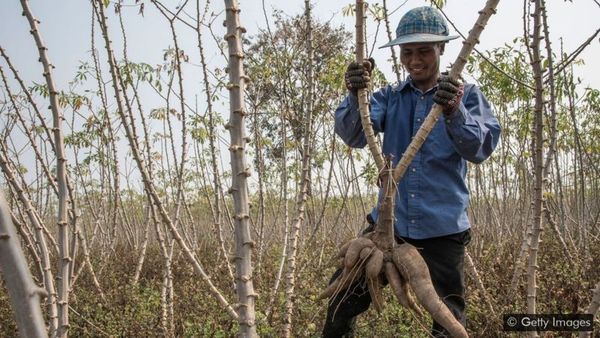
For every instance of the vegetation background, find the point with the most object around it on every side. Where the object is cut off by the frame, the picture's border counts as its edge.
(151, 257)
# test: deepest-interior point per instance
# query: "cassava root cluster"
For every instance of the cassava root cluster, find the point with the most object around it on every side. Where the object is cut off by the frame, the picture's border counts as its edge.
(402, 267)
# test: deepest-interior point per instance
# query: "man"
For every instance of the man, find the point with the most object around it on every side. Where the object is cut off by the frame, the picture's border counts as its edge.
(432, 196)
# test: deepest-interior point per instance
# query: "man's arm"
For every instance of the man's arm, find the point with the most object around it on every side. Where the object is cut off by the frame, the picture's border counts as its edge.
(347, 122)
(347, 118)
(473, 128)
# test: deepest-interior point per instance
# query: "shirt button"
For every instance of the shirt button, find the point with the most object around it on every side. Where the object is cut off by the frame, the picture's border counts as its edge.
(412, 221)
(412, 195)
(422, 97)
(419, 120)
(414, 169)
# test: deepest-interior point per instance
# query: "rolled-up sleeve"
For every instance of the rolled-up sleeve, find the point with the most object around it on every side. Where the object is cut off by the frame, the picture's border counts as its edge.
(473, 128)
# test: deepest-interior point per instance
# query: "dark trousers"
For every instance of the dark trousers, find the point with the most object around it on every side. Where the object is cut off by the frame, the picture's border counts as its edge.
(444, 257)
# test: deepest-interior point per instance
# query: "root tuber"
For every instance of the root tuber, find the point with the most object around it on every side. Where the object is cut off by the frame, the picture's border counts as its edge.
(353, 253)
(374, 264)
(375, 290)
(413, 268)
(400, 288)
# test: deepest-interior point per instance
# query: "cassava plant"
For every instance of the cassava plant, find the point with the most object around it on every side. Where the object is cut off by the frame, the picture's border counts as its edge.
(536, 226)
(240, 172)
(377, 255)
(124, 113)
(304, 183)
(25, 295)
(65, 257)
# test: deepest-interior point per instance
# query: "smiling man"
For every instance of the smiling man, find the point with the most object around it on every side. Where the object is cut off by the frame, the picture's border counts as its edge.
(432, 197)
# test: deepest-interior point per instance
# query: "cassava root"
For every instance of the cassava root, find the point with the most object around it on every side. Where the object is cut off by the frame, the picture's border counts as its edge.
(402, 267)
(351, 258)
(400, 288)
(414, 270)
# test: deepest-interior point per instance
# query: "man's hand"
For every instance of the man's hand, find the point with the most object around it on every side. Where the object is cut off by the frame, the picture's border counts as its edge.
(449, 94)
(359, 75)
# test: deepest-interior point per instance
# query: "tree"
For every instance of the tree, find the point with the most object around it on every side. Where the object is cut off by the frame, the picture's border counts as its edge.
(278, 63)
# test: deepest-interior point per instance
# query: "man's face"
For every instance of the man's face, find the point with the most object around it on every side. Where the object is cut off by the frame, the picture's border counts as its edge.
(422, 61)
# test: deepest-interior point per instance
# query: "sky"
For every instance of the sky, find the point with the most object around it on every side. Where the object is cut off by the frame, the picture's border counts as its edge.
(66, 28)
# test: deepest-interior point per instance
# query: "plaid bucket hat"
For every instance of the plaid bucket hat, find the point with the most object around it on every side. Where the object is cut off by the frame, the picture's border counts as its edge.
(421, 24)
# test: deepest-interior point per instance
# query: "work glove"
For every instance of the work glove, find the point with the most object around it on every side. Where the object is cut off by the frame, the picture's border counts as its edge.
(449, 94)
(359, 75)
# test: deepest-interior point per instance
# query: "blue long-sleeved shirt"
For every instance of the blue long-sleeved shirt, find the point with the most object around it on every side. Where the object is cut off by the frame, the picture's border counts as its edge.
(432, 197)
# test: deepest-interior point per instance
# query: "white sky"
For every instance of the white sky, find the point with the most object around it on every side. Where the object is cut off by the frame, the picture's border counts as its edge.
(66, 26)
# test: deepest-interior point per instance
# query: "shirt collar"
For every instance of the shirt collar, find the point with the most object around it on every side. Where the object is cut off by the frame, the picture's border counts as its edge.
(409, 83)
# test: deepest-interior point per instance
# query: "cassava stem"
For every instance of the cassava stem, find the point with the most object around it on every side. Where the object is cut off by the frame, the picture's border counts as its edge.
(24, 294)
(64, 260)
(240, 172)
(363, 97)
